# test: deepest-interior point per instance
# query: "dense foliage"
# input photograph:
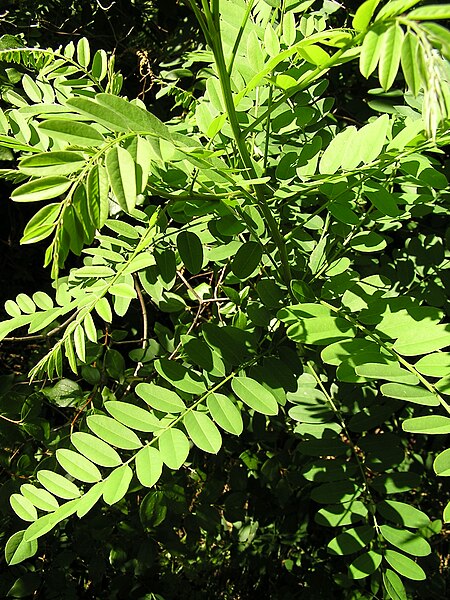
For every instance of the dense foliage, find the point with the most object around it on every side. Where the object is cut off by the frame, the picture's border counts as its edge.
(239, 378)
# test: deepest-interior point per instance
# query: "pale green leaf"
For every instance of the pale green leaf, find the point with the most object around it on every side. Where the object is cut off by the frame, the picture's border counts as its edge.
(58, 485)
(17, 549)
(365, 565)
(434, 365)
(113, 432)
(79, 341)
(225, 413)
(149, 465)
(41, 499)
(83, 52)
(409, 60)
(441, 463)
(97, 195)
(394, 586)
(89, 499)
(78, 466)
(138, 119)
(23, 507)
(72, 132)
(121, 170)
(174, 447)
(404, 565)
(364, 14)
(133, 416)
(202, 431)
(409, 393)
(391, 48)
(103, 309)
(431, 12)
(402, 513)
(40, 189)
(99, 114)
(96, 450)
(431, 424)
(160, 398)
(116, 484)
(255, 395)
(371, 51)
(351, 540)
(409, 542)
(52, 164)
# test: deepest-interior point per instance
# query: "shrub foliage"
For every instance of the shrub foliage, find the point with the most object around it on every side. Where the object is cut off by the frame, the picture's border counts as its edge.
(280, 273)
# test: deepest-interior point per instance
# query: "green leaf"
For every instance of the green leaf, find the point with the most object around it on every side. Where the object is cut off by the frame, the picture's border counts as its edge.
(255, 395)
(117, 484)
(339, 515)
(320, 330)
(410, 62)
(191, 251)
(133, 416)
(391, 48)
(99, 66)
(113, 432)
(44, 188)
(203, 431)
(351, 541)
(381, 198)
(365, 565)
(72, 132)
(394, 586)
(160, 398)
(96, 450)
(431, 12)
(52, 164)
(149, 466)
(371, 50)
(409, 393)
(314, 54)
(99, 114)
(225, 413)
(90, 328)
(83, 52)
(103, 309)
(332, 157)
(23, 508)
(390, 372)
(441, 463)
(402, 514)
(78, 466)
(79, 341)
(174, 447)
(121, 170)
(404, 565)
(434, 365)
(426, 337)
(406, 540)
(17, 549)
(41, 499)
(58, 485)
(368, 241)
(89, 499)
(247, 259)
(46, 523)
(138, 119)
(179, 376)
(97, 195)
(364, 14)
(431, 424)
